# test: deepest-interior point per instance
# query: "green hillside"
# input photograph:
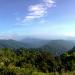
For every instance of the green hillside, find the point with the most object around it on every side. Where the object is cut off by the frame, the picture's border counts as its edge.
(58, 47)
(11, 44)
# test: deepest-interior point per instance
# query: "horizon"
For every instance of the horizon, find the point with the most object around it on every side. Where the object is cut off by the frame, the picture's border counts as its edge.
(46, 19)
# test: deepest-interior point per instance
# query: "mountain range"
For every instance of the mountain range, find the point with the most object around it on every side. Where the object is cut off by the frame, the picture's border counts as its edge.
(11, 44)
(56, 47)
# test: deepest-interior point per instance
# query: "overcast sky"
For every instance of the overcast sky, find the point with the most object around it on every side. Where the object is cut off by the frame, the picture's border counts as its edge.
(39, 18)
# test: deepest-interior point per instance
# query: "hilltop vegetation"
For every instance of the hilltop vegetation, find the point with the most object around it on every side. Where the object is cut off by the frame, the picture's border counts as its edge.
(24, 61)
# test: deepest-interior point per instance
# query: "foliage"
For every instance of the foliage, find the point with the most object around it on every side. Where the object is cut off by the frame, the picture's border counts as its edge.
(25, 61)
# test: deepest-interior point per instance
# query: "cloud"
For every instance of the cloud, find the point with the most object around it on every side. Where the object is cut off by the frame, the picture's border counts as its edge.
(35, 11)
(49, 3)
(39, 10)
(8, 36)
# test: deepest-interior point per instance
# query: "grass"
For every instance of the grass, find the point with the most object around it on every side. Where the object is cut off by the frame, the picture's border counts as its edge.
(27, 71)
(64, 73)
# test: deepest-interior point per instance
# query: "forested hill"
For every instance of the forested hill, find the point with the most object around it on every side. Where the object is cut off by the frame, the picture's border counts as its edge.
(58, 47)
(12, 44)
(55, 47)
(34, 42)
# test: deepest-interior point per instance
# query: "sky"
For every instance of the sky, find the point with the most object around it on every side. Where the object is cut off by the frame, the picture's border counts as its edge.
(37, 18)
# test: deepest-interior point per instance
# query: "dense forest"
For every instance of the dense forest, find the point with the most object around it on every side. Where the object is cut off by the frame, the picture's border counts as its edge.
(23, 61)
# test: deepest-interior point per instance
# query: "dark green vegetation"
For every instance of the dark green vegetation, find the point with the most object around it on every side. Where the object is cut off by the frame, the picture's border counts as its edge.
(24, 61)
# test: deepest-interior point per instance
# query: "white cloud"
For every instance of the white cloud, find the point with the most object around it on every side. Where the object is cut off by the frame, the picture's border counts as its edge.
(39, 10)
(35, 11)
(49, 3)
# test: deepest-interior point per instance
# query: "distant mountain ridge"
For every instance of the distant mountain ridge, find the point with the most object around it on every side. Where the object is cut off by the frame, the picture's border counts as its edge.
(35, 42)
(11, 44)
(55, 47)
(58, 47)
